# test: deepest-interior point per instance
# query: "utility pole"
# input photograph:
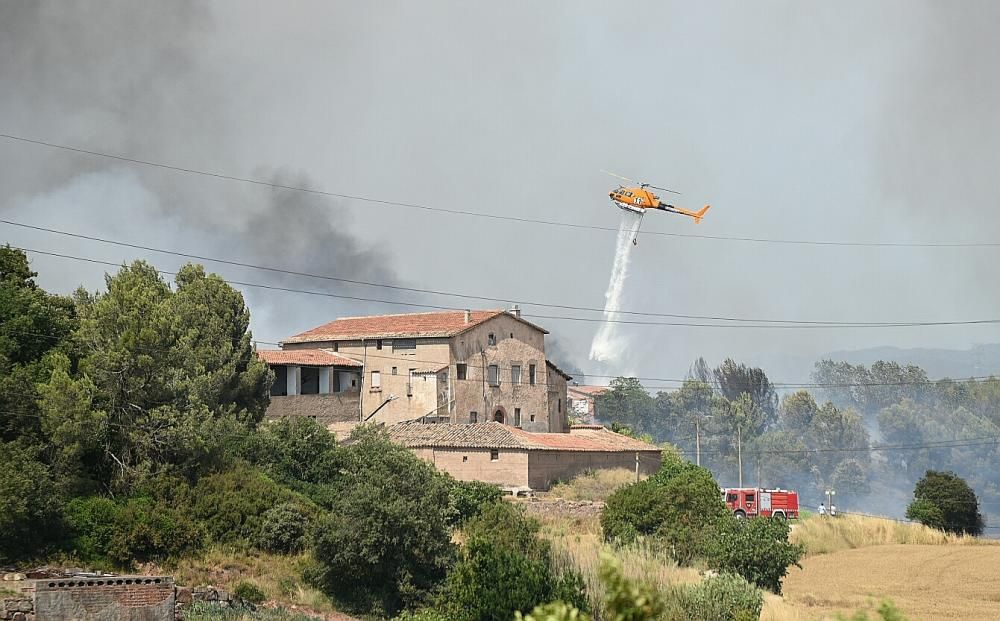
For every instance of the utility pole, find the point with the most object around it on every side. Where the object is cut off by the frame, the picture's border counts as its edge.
(637, 466)
(739, 451)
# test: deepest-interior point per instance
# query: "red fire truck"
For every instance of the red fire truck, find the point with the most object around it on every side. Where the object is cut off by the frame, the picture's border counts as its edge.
(747, 502)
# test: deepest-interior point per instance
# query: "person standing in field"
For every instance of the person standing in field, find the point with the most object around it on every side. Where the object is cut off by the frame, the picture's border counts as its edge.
(822, 509)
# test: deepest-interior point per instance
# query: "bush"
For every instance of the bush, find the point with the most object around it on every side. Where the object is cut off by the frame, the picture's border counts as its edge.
(556, 611)
(283, 529)
(91, 523)
(385, 542)
(722, 598)
(956, 503)
(232, 504)
(625, 600)
(505, 568)
(148, 531)
(756, 549)
(677, 505)
(32, 507)
(250, 592)
(468, 498)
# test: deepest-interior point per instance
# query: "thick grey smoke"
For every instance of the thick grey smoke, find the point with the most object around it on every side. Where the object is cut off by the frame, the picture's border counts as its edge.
(130, 80)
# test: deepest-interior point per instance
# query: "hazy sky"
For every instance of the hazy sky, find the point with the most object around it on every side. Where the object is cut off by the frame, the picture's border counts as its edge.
(856, 121)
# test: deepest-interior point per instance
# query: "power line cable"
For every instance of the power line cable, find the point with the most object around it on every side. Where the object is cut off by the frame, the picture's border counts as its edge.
(773, 326)
(491, 216)
(507, 300)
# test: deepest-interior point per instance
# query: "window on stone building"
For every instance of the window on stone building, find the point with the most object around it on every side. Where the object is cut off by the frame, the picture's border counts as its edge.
(393, 370)
(531, 374)
(473, 417)
(559, 405)
(465, 458)
(515, 374)
(378, 344)
(517, 417)
(491, 339)
(532, 418)
(376, 380)
(494, 375)
(494, 455)
(280, 386)
(461, 371)
(336, 346)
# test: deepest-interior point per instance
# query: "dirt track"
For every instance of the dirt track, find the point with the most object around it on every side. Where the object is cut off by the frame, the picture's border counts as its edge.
(924, 581)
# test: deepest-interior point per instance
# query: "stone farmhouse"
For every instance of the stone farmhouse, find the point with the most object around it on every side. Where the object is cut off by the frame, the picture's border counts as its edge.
(449, 367)
(471, 391)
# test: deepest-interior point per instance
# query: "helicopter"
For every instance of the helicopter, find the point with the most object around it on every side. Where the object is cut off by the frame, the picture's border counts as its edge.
(637, 199)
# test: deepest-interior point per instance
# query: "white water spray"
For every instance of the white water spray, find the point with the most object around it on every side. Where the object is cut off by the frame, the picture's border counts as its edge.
(608, 346)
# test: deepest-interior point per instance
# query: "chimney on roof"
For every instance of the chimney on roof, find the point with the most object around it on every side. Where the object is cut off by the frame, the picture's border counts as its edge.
(516, 311)
(468, 316)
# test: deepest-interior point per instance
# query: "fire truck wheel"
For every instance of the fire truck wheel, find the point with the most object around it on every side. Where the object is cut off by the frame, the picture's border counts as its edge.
(740, 515)
(779, 515)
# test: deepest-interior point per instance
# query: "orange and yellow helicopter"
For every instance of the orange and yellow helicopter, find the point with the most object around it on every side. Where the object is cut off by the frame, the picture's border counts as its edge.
(638, 199)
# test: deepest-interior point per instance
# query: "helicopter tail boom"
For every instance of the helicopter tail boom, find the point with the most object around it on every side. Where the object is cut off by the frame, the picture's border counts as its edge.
(695, 215)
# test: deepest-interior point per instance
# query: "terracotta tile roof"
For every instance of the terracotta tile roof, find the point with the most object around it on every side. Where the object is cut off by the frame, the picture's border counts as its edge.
(410, 325)
(591, 391)
(306, 357)
(495, 435)
(491, 435)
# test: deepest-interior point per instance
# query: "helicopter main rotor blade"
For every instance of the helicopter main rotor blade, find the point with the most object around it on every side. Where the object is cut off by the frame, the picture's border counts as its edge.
(619, 176)
(664, 189)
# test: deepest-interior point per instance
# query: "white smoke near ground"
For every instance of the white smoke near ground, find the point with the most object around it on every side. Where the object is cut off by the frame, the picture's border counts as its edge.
(608, 344)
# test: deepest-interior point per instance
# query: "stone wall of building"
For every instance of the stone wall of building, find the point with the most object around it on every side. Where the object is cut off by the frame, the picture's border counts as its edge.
(21, 608)
(548, 467)
(338, 407)
(509, 469)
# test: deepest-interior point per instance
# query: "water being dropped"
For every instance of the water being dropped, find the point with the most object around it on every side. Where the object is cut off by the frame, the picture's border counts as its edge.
(608, 345)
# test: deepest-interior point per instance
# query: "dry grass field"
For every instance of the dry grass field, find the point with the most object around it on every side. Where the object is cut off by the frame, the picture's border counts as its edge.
(945, 581)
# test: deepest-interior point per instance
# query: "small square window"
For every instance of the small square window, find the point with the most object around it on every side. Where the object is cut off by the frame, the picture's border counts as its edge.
(461, 371)
(378, 344)
(494, 455)
(336, 347)
(473, 417)
(393, 370)
(491, 339)
(376, 380)
(532, 418)
(750, 497)
(465, 458)
(511, 335)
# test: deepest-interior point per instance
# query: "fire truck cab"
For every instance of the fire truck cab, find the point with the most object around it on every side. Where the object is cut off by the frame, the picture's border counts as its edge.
(747, 502)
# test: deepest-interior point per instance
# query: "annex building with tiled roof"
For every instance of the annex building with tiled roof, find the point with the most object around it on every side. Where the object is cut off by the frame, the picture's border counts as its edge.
(451, 366)
(516, 459)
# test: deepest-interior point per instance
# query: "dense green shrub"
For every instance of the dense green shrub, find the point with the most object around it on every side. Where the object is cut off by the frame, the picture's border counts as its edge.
(91, 526)
(145, 530)
(283, 529)
(555, 611)
(625, 600)
(505, 568)
(386, 541)
(232, 504)
(956, 503)
(248, 591)
(468, 498)
(678, 506)
(32, 507)
(721, 598)
(756, 549)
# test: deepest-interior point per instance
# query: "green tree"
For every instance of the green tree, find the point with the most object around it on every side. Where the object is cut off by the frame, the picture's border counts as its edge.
(756, 549)
(953, 498)
(32, 324)
(385, 541)
(174, 372)
(32, 505)
(735, 380)
(627, 403)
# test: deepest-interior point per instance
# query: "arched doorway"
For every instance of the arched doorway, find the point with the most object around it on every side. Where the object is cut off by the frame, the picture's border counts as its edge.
(500, 416)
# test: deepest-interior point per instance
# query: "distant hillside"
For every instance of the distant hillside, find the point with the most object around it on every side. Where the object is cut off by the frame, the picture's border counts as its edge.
(954, 363)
